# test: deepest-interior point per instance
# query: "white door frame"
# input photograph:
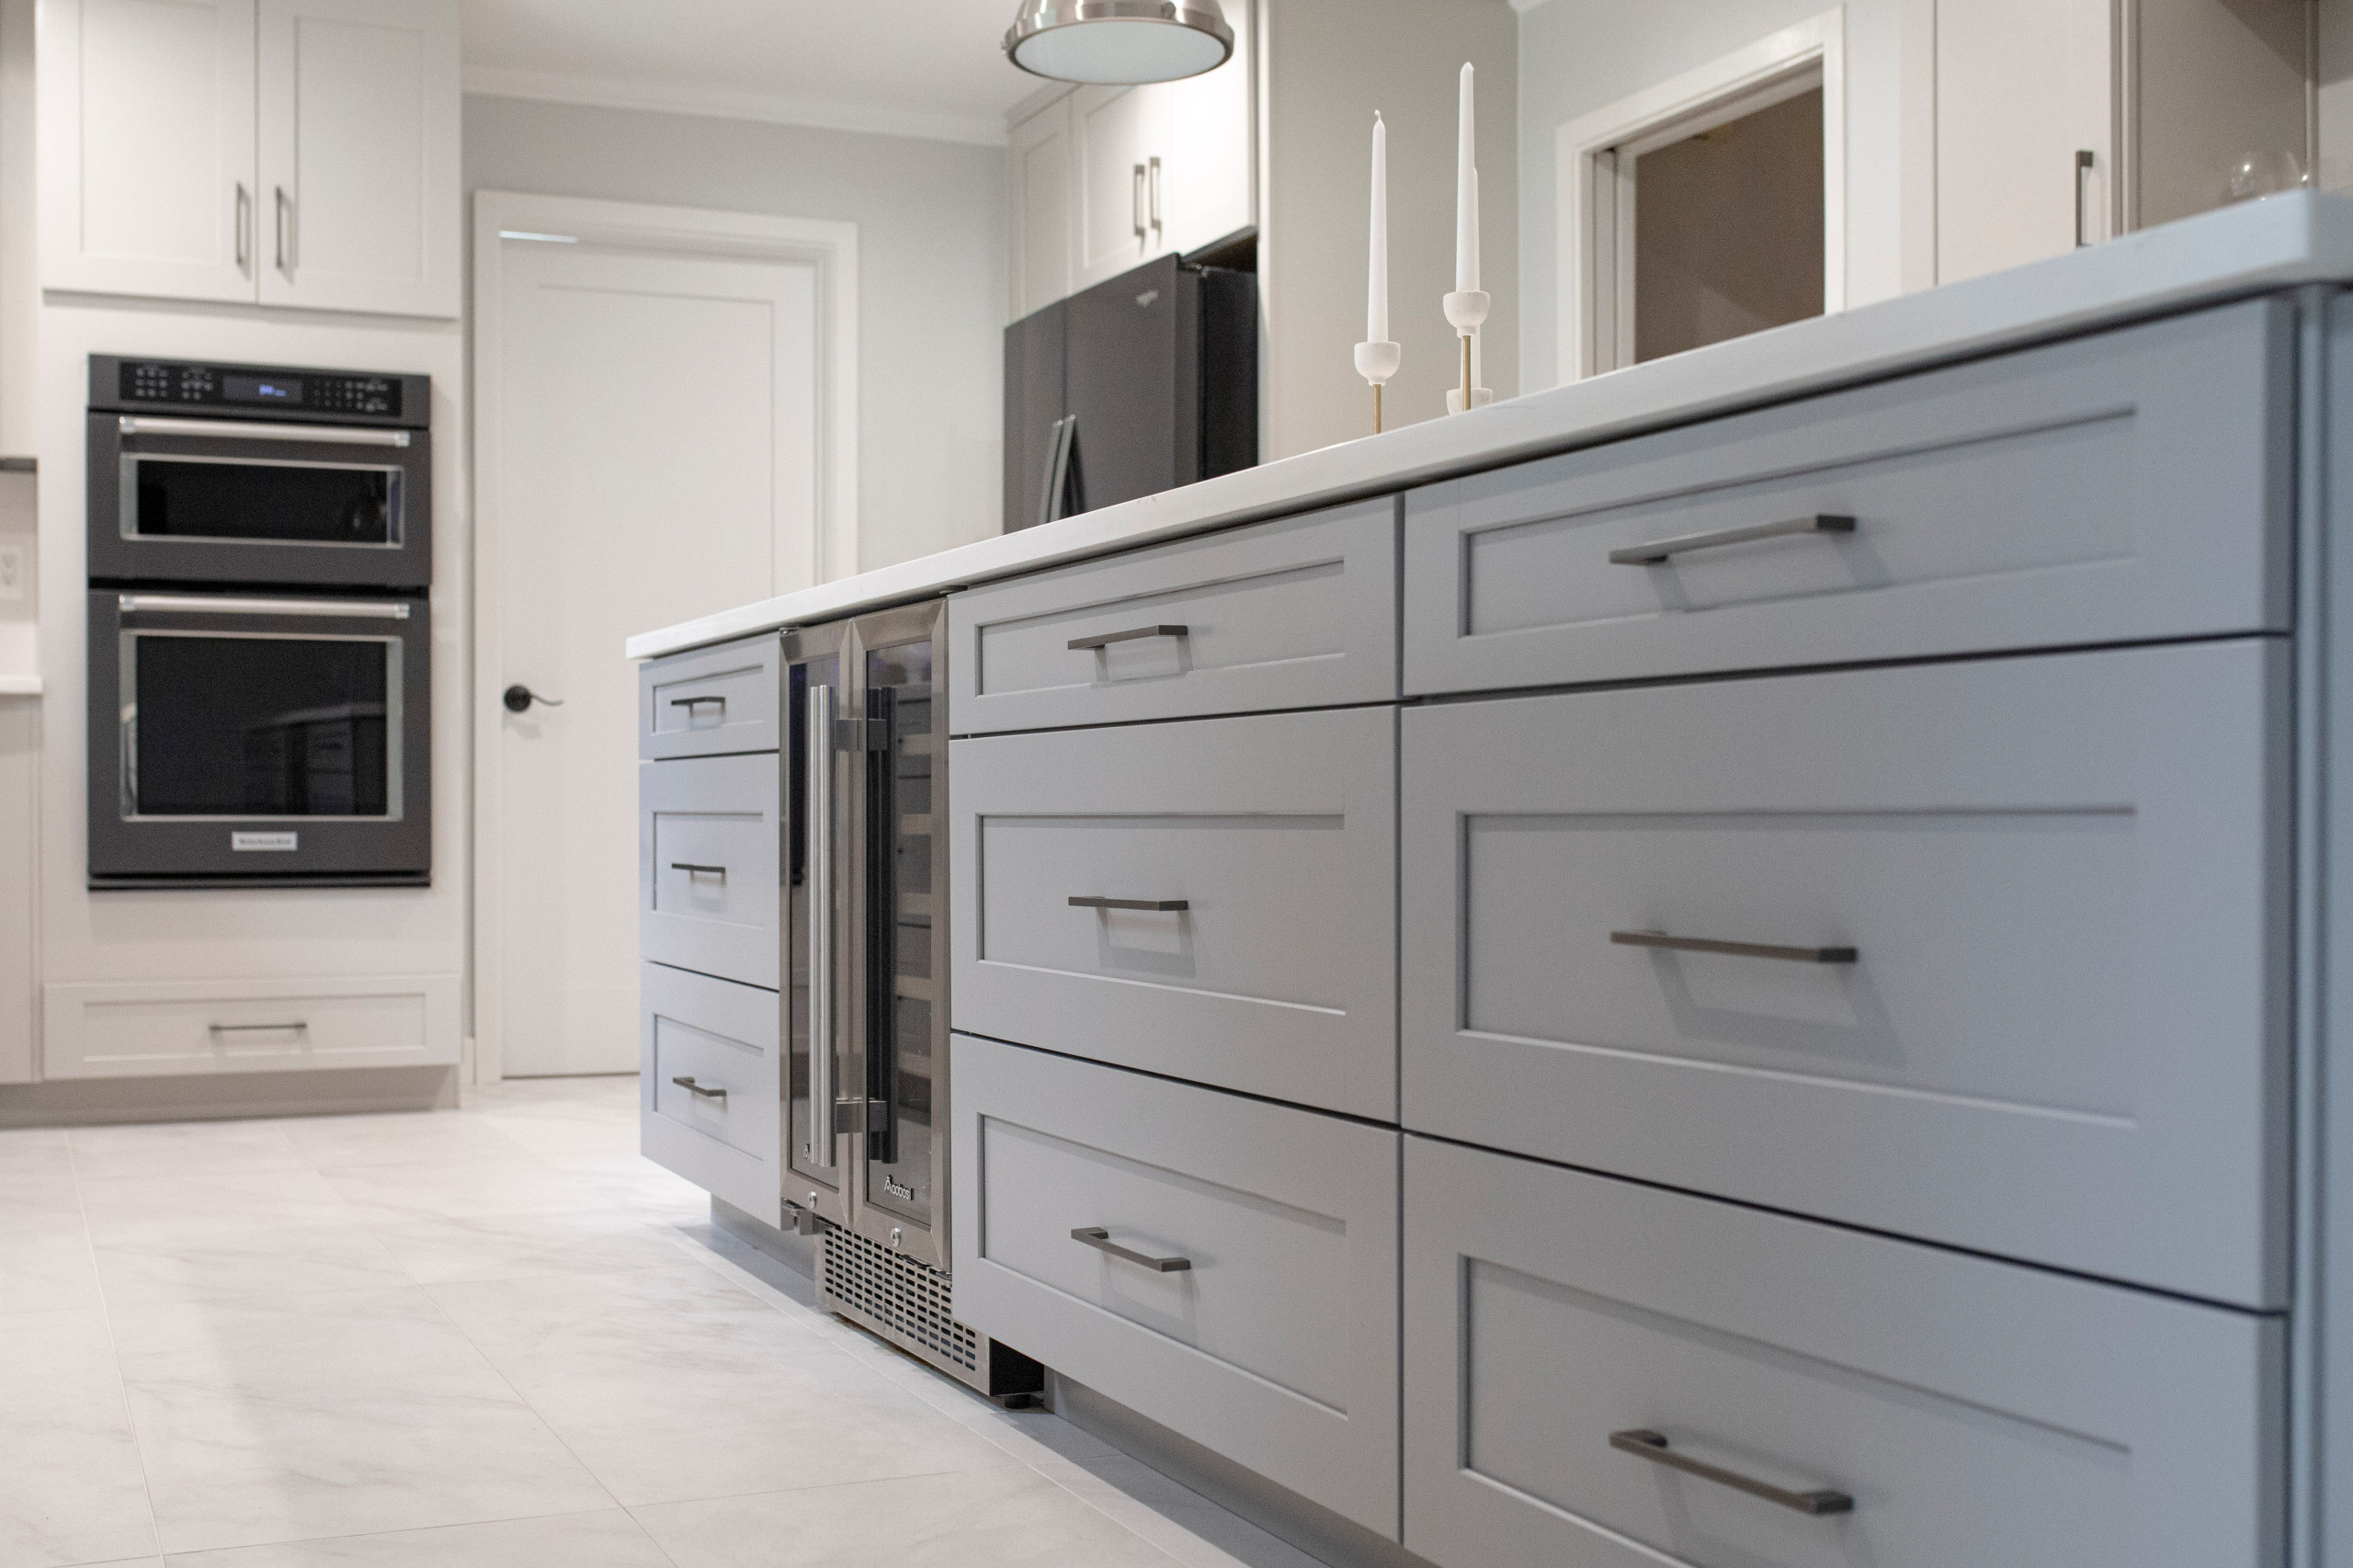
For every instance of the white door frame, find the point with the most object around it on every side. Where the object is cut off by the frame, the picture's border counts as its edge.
(500, 218)
(1586, 195)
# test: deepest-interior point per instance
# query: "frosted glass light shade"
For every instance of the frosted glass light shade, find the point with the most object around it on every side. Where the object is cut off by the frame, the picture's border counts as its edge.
(1119, 41)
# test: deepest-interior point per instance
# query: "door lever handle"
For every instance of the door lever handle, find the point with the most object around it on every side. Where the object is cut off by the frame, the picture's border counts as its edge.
(518, 699)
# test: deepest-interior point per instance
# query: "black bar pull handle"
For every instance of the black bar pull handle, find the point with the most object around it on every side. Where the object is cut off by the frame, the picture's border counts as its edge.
(1106, 638)
(1644, 1443)
(1152, 905)
(1100, 1240)
(1737, 950)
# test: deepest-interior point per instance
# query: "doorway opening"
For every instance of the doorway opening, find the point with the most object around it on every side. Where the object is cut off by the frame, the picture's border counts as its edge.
(1724, 225)
(1708, 207)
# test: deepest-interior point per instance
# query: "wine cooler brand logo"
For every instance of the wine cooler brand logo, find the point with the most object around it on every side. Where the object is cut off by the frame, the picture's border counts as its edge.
(276, 841)
(895, 1190)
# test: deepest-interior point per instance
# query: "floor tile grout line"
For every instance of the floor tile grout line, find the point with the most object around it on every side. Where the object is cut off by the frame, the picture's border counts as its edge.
(114, 1350)
(525, 1400)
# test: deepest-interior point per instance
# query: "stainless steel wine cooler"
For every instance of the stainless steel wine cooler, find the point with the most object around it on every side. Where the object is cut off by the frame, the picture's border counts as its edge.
(865, 1000)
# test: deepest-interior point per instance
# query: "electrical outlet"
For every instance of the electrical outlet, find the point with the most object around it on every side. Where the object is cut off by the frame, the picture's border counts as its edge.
(12, 571)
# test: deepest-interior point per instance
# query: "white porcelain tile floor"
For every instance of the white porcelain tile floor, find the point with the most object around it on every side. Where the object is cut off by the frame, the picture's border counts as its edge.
(490, 1338)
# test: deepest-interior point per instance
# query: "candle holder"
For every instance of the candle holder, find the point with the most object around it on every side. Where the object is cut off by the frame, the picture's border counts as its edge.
(1376, 362)
(1466, 309)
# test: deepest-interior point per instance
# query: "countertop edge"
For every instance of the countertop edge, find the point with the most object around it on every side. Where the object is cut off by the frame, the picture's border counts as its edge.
(2304, 237)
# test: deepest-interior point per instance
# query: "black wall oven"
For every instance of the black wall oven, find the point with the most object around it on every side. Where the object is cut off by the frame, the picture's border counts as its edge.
(237, 474)
(239, 739)
(260, 565)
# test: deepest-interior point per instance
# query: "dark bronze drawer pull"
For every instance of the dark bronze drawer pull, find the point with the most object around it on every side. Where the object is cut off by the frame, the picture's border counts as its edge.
(697, 701)
(1154, 906)
(694, 870)
(1651, 1446)
(1109, 638)
(298, 1027)
(1653, 553)
(688, 1084)
(1100, 1240)
(1737, 950)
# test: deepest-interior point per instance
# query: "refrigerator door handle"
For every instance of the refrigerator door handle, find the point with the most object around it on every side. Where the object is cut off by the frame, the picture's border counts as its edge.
(1058, 454)
(818, 744)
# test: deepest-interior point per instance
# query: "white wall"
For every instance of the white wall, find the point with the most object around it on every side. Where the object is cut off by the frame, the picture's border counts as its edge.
(931, 275)
(2336, 72)
(1576, 56)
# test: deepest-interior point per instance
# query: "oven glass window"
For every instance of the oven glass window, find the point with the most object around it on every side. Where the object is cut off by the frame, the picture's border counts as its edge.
(261, 726)
(279, 503)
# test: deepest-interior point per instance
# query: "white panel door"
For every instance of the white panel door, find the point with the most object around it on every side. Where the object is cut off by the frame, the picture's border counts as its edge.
(147, 147)
(1117, 134)
(1038, 163)
(359, 155)
(2022, 88)
(1205, 162)
(648, 455)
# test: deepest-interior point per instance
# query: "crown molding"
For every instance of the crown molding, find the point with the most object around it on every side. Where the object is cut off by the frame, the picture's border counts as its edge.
(727, 102)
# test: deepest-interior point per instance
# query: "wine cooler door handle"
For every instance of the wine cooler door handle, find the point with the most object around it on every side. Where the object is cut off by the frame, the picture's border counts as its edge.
(818, 747)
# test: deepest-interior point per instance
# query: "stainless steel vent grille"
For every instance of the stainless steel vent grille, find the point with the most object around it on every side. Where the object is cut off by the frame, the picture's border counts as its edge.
(900, 1293)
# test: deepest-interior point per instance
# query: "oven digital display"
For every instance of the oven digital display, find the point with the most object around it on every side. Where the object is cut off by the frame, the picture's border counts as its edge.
(262, 389)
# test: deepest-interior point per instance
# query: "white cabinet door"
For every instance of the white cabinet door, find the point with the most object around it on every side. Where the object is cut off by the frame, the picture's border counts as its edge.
(358, 154)
(147, 147)
(2023, 86)
(1205, 187)
(1116, 132)
(1042, 190)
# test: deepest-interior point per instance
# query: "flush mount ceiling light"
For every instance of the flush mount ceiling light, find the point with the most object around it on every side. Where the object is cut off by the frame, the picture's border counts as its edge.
(1119, 41)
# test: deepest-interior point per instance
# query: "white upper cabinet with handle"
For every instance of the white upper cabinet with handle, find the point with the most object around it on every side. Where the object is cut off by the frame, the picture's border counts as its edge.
(146, 116)
(286, 153)
(1162, 168)
(2026, 153)
(1117, 133)
(358, 154)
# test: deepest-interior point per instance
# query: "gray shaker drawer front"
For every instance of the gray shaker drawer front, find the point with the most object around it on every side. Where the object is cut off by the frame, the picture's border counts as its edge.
(1212, 899)
(2131, 485)
(1299, 613)
(1942, 1410)
(1226, 1266)
(709, 866)
(709, 1105)
(2005, 940)
(710, 700)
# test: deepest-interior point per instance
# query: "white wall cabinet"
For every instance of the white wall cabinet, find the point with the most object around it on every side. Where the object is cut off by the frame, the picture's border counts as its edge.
(1143, 171)
(1041, 193)
(288, 153)
(2023, 88)
(147, 147)
(358, 154)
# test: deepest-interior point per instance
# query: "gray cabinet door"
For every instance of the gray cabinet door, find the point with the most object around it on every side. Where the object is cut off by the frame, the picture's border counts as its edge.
(2134, 484)
(2059, 1034)
(1274, 1342)
(1977, 1414)
(710, 1097)
(1299, 613)
(1263, 851)
(711, 700)
(709, 866)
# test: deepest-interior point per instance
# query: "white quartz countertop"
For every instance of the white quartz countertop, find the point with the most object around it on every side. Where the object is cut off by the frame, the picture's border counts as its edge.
(19, 685)
(2303, 237)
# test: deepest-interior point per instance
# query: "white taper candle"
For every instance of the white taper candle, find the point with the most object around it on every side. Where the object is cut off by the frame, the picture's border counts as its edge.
(1375, 309)
(1466, 201)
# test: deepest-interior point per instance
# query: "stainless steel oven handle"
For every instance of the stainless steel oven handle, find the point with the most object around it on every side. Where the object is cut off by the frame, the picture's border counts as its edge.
(205, 604)
(819, 747)
(247, 430)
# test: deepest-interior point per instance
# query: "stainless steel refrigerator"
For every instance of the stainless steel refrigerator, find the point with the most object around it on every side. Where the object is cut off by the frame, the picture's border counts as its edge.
(866, 1007)
(1142, 383)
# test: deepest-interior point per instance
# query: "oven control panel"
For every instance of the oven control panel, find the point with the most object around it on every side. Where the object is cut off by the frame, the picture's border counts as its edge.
(249, 390)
